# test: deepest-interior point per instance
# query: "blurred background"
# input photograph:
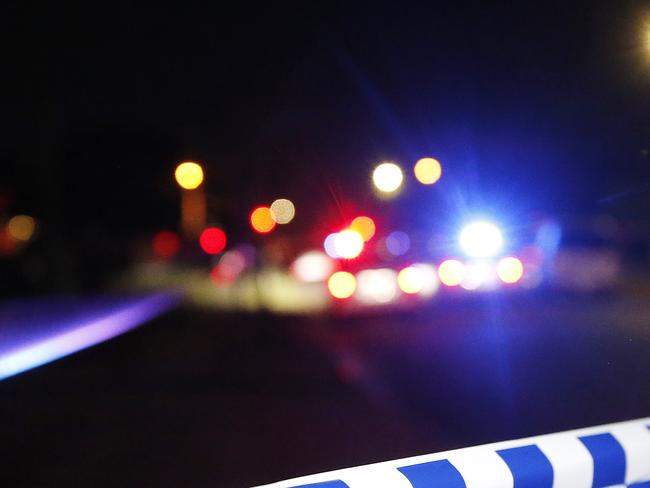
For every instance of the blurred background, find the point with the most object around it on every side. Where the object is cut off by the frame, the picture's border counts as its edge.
(395, 229)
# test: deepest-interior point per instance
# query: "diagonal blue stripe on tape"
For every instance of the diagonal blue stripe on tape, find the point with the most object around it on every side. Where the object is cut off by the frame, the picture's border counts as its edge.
(529, 466)
(433, 474)
(325, 484)
(609, 459)
(644, 484)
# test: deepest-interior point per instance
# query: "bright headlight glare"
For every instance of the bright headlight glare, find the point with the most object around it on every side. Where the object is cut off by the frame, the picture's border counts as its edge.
(481, 239)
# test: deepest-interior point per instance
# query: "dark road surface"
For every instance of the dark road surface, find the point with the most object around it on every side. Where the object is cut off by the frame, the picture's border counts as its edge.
(198, 399)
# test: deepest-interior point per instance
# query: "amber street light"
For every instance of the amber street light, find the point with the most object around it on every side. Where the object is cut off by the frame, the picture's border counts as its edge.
(189, 176)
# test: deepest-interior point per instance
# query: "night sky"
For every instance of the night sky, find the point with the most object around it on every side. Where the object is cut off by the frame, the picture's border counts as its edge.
(530, 106)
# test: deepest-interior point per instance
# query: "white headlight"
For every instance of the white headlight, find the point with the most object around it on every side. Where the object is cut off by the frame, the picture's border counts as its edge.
(481, 239)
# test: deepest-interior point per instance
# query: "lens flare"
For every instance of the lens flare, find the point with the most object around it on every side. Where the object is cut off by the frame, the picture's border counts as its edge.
(365, 226)
(451, 272)
(43, 333)
(283, 211)
(427, 171)
(342, 284)
(348, 244)
(212, 240)
(510, 270)
(481, 239)
(189, 175)
(262, 220)
(387, 177)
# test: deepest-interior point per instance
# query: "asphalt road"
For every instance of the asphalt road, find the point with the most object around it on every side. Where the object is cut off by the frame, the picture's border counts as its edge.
(198, 399)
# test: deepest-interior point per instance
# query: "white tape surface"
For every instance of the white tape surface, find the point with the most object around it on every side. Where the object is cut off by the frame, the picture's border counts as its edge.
(607, 456)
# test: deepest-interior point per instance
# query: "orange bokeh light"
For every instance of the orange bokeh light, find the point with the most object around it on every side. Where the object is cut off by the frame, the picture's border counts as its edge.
(262, 220)
(427, 171)
(365, 226)
(21, 227)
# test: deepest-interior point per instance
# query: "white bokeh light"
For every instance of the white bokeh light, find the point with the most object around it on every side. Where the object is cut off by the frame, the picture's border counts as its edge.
(348, 244)
(481, 239)
(387, 177)
(376, 286)
(313, 267)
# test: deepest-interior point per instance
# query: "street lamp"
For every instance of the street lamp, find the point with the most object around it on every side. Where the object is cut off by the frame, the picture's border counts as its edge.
(189, 176)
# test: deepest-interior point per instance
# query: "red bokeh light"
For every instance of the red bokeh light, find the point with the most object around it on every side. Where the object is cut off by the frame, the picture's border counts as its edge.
(166, 244)
(220, 276)
(213, 240)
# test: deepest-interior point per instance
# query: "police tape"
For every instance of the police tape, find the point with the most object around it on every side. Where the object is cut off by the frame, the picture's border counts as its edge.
(613, 455)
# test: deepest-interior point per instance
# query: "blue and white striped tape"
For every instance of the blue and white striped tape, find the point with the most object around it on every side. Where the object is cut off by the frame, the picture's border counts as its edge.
(614, 455)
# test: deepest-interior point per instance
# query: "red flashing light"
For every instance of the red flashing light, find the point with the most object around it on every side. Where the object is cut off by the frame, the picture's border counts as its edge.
(213, 240)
